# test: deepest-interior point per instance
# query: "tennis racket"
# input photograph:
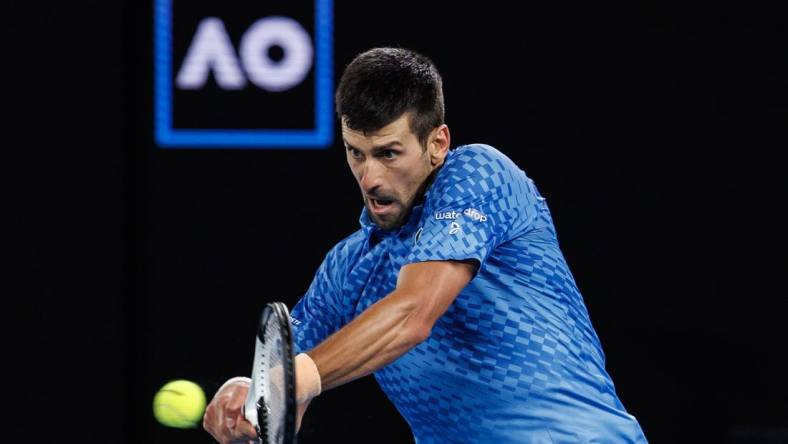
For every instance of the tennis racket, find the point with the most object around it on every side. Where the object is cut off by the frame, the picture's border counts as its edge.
(270, 405)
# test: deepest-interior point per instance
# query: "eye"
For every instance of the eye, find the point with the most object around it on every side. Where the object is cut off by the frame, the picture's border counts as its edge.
(389, 154)
(354, 153)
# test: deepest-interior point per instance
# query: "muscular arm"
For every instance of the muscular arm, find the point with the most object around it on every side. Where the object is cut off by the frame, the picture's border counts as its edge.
(393, 325)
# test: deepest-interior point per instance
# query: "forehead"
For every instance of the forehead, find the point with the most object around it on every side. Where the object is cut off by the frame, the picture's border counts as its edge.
(396, 131)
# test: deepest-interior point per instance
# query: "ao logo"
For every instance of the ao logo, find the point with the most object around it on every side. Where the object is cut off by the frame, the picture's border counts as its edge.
(211, 50)
(274, 77)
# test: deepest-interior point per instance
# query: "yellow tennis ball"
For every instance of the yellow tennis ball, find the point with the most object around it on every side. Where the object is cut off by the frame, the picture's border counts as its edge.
(179, 404)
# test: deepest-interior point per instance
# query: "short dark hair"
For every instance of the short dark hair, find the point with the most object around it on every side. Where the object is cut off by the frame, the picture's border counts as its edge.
(381, 84)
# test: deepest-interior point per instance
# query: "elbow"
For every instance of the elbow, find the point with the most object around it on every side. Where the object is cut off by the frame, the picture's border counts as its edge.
(416, 326)
(416, 333)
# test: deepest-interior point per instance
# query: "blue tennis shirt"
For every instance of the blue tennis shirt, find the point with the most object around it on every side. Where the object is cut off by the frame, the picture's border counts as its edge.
(514, 359)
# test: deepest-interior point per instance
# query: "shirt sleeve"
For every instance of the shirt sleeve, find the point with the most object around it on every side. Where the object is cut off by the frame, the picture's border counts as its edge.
(317, 315)
(479, 200)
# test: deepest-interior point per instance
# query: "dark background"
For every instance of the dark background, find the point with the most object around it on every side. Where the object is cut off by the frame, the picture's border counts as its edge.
(655, 134)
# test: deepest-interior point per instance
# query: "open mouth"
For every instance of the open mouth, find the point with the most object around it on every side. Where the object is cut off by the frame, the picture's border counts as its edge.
(380, 205)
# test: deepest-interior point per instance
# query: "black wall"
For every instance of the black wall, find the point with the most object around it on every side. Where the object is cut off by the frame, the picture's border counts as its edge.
(654, 134)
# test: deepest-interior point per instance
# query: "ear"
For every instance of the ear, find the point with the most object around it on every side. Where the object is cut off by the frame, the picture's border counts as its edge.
(438, 145)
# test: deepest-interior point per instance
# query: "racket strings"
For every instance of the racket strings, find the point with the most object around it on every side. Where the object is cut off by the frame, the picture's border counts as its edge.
(274, 382)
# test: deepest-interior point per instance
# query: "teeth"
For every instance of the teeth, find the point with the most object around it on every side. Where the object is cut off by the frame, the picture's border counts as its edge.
(380, 203)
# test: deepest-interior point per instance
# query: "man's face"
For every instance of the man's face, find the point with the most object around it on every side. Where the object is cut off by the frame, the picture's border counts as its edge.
(392, 167)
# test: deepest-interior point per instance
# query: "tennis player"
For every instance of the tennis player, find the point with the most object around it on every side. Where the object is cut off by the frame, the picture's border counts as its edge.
(453, 293)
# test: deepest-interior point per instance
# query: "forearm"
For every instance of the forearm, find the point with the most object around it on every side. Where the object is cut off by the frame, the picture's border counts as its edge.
(377, 337)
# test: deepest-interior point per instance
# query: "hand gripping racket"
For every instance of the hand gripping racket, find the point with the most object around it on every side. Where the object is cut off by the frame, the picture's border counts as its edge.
(270, 405)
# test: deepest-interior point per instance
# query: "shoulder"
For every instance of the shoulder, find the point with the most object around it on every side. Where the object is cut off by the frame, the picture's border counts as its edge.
(471, 158)
(474, 170)
(477, 163)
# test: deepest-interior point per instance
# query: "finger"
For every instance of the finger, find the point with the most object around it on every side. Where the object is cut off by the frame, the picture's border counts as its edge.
(246, 429)
(221, 432)
(236, 401)
(224, 412)
(243, 432)
(207, 422)
(232, 417)
(211, 420)
(214, 409)
(221, 424)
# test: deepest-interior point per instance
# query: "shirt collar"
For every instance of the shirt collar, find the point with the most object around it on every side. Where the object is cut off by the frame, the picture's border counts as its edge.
(413, 220)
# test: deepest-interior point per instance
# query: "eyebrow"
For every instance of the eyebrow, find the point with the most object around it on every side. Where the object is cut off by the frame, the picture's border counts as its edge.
(375, 149)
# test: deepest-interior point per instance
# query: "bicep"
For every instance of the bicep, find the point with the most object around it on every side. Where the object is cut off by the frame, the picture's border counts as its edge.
(432, 287)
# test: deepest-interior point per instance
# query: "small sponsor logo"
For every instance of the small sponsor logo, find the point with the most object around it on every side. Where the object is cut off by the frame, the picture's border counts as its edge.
(475, 214)
(455, 228)
(447, 215)
(472, 213)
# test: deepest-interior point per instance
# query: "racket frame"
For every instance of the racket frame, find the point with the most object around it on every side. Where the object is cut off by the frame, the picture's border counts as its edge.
(278, 311)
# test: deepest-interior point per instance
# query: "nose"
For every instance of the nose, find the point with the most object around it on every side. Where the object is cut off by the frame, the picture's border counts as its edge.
(370, 176)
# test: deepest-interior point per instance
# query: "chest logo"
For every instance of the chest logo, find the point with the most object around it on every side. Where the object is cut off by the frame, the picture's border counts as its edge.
(471, 213)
